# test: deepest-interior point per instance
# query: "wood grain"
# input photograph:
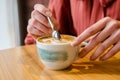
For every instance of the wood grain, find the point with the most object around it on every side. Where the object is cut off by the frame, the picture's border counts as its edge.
(22, 63)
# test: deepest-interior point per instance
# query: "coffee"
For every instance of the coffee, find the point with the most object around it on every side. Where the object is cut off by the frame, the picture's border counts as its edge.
(57, 54)
(50, 40)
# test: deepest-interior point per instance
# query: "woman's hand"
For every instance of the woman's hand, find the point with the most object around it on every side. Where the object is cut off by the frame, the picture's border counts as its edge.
(38, 24)
(105, 32)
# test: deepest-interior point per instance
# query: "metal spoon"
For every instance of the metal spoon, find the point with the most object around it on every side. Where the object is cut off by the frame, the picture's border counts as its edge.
(55, 33)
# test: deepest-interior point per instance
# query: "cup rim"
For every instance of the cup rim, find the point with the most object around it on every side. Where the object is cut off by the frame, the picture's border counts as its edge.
(53, 44)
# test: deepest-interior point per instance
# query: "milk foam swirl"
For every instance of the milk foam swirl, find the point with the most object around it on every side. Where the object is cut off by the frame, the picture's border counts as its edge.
(64, 39)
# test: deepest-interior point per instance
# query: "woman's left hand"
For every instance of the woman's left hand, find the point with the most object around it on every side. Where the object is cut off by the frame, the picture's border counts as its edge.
(106, 32)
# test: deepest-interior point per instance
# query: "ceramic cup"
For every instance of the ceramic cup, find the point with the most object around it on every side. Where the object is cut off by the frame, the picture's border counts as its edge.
(57, 56)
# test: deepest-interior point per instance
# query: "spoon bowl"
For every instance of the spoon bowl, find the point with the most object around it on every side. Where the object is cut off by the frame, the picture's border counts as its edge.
(55, 33)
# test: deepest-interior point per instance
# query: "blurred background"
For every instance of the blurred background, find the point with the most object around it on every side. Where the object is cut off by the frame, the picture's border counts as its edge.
(14, 15)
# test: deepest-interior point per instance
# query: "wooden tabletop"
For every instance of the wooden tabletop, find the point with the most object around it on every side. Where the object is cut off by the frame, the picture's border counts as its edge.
(22, 63)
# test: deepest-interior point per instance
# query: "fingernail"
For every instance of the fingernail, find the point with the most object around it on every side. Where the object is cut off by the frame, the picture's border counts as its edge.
(102, 59)
(92, 58)
(39, 8)
(82, 54)
(48, 13)
(73, 43)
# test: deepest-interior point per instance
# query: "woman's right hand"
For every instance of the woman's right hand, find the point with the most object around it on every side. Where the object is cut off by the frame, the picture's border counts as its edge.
(38, 24)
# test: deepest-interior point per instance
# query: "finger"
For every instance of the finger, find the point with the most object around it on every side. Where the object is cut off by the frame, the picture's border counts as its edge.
(43, 10)
(107, 31)
(106, 44)
(41, 18)
(34, 31)
(88, 47)
(40, 26)
(90, 38)
(91, 31)
(99, 37)
(29, 39)
(111, 53)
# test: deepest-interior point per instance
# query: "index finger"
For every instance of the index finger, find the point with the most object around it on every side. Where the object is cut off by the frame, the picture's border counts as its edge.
(43, 10)
(95, 28)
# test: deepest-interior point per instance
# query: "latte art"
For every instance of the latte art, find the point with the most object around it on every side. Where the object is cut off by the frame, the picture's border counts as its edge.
(50, 40)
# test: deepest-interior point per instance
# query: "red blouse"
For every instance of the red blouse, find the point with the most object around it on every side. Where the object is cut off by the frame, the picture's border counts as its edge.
(74, 16)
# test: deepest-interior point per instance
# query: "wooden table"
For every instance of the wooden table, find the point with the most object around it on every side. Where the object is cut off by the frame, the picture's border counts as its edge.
(22, 63)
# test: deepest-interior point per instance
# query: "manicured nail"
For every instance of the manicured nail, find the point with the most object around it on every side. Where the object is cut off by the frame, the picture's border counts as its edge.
(92, 58)
(82, 54)
(73, 43)
(38, 7)
(48, 13)
(102, 59)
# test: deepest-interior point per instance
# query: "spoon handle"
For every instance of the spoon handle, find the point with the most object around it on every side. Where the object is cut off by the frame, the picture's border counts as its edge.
(51, 24)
